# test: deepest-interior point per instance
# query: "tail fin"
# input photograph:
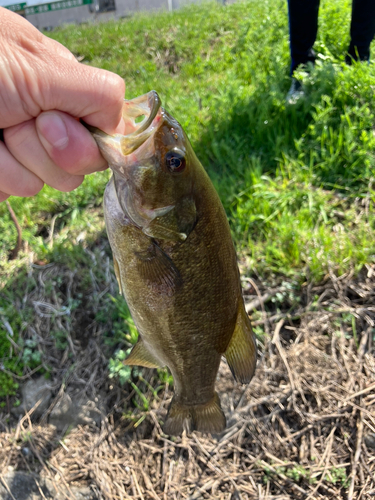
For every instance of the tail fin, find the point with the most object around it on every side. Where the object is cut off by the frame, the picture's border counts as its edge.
(208, 417)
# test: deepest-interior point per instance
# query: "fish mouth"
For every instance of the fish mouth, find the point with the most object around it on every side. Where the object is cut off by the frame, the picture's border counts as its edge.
(142, 116)
(145, 108)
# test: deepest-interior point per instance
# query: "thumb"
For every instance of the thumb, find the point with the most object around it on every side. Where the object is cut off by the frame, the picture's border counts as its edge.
(68, 143)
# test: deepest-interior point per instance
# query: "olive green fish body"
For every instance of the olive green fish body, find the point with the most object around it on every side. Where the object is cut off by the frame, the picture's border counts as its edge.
(176, 266)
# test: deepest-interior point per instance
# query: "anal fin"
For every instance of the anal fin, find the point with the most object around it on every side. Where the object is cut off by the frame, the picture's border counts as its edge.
(241, 353)
(141, 356)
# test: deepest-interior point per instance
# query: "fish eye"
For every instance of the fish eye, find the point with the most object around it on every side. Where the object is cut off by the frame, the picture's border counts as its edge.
(175, 161)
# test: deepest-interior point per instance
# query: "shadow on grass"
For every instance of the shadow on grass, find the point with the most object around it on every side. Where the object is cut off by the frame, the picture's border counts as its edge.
(325, 136)
(262, 127)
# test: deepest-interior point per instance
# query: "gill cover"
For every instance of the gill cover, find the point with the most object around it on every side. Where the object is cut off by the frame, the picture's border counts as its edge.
(153, 169)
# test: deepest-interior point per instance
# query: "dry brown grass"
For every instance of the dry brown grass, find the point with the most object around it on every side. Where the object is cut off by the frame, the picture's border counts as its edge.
(303, 429)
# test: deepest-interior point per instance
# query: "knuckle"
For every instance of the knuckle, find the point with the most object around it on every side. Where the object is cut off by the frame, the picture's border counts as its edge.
(15, 136)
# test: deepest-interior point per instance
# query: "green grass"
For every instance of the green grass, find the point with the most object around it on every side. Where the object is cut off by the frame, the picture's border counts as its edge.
(284, 173)
(296, 181)
(336, 475)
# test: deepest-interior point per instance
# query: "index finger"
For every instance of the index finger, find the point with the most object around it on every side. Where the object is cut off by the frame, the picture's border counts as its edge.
(86, 92)
(38, 74)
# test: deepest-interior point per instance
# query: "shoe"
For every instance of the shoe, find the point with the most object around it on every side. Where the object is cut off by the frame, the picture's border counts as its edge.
(295, 92)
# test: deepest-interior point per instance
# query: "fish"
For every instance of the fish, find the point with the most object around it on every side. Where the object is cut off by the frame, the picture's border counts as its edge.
(175, 263)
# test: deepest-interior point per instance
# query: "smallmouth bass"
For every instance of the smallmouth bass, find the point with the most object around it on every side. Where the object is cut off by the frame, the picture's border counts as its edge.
(175, 263)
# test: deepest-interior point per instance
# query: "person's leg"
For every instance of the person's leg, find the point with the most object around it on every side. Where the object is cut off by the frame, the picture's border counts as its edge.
(303, 27)
(362, 30)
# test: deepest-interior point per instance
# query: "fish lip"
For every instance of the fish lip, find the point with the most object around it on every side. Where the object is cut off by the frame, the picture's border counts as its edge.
(146, 105)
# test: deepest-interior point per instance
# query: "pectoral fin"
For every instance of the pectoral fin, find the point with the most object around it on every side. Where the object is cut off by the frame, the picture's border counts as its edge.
(141, 356)
(172, 222)
(241, 353)
(157, 229)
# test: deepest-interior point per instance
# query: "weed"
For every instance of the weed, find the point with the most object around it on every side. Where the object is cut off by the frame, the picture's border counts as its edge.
(117, 369)
(31, 356)
(338, 475)
(297, 473)
(61, 341)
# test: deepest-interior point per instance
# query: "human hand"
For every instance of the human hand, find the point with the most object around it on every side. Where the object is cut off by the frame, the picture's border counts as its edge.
(43, 91)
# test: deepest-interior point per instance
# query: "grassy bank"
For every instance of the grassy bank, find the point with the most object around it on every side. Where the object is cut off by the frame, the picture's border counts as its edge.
(295, 180)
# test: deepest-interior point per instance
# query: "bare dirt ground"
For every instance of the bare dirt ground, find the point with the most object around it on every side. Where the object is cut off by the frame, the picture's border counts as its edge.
(303, 429)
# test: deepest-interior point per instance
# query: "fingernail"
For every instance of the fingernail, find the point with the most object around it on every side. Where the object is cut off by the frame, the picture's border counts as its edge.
(53, 130)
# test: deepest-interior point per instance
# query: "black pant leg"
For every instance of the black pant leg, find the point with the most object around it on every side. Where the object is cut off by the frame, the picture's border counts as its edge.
(362, 29)
(303, 27)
